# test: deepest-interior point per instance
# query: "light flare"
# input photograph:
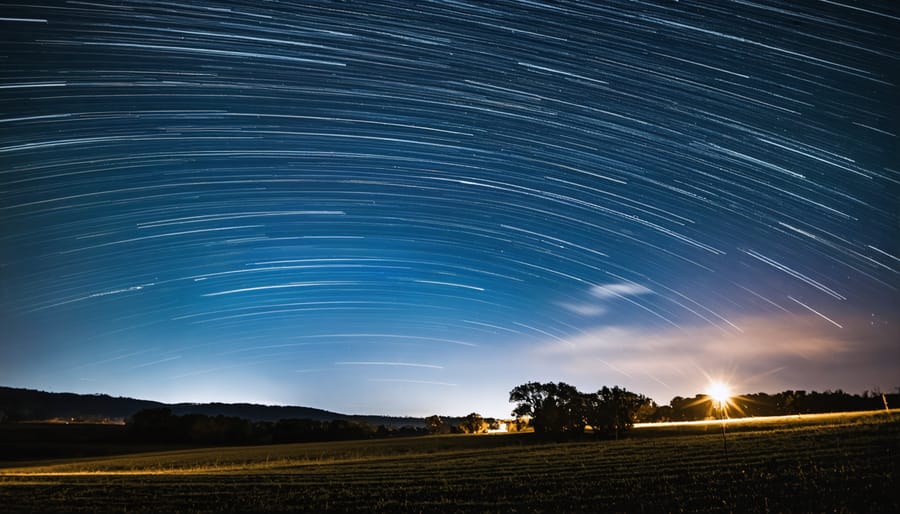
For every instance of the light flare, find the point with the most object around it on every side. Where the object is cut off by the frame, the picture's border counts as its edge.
(719, 392)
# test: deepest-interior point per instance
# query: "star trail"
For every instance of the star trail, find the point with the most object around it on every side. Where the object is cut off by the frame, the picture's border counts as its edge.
(412, 207)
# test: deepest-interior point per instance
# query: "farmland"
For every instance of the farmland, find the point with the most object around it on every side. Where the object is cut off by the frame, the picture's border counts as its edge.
(840, 463)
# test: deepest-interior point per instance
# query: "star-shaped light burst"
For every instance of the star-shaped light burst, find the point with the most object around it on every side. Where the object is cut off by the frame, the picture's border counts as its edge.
(720, 393)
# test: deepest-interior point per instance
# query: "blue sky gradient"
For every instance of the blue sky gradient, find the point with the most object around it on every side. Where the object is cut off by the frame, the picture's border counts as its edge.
(388, 208)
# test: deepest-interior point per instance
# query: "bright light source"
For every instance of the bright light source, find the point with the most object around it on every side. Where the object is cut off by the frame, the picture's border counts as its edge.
(719, 392)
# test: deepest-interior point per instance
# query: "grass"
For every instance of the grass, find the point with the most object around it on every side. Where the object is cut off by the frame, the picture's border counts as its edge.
(841, 463)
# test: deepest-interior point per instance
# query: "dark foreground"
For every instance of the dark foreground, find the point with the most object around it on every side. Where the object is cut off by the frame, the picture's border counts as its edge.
(843, 463)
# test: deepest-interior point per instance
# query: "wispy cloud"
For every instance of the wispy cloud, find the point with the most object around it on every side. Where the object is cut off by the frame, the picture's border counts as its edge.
(771, 353)
(583, 309)
(601, 294)
(618, 290)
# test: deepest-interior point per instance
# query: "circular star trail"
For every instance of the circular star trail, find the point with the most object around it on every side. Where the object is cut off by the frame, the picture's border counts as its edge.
(408, 208)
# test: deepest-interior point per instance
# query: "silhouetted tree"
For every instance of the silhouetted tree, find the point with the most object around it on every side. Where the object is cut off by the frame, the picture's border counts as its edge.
(298, 430)
(553, 408)
(647, 412)
(156, 425)
(434, 424)
(346, 429)
(662, 413)
(472, 424)
(691, 409)
(530, 398)
(612, 411)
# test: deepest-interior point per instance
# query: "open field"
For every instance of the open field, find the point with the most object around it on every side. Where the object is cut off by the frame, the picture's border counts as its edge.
(838, 463)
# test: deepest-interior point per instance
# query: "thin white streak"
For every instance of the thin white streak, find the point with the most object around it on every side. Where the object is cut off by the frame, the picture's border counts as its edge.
(283, 286)
(222, 217)
(383, 363)
(390, 336)
(882, 252)
(817, 313)
(213, 51)
(560, 72)
(25, 20)
(156, 362)
(450, 284)
(428, 382)
(796, 274)
(488, 325)
(157, 236)
(44, 84)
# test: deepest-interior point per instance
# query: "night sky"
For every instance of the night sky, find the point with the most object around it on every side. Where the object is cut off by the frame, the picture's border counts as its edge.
(389, 208)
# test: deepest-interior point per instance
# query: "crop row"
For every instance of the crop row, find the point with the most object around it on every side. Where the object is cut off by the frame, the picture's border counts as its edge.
(849, 467)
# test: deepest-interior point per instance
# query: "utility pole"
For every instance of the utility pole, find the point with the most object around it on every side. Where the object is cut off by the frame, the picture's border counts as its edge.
(724, 440)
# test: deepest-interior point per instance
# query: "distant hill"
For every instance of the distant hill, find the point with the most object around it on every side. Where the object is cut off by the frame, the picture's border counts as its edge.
(31, 405)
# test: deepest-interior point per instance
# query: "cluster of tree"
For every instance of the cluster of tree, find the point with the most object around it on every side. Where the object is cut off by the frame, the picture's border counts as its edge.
(160, 425)
(780, 404)
(472, 423)
(561, 409)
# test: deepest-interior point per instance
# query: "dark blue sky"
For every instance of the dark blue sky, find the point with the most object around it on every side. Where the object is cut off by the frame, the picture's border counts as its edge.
(381, 207)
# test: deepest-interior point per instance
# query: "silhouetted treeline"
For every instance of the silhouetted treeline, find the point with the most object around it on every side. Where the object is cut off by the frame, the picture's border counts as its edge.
(160, 425)
(780, 404)
(31, 405)
(559, 409)
(27, 404)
